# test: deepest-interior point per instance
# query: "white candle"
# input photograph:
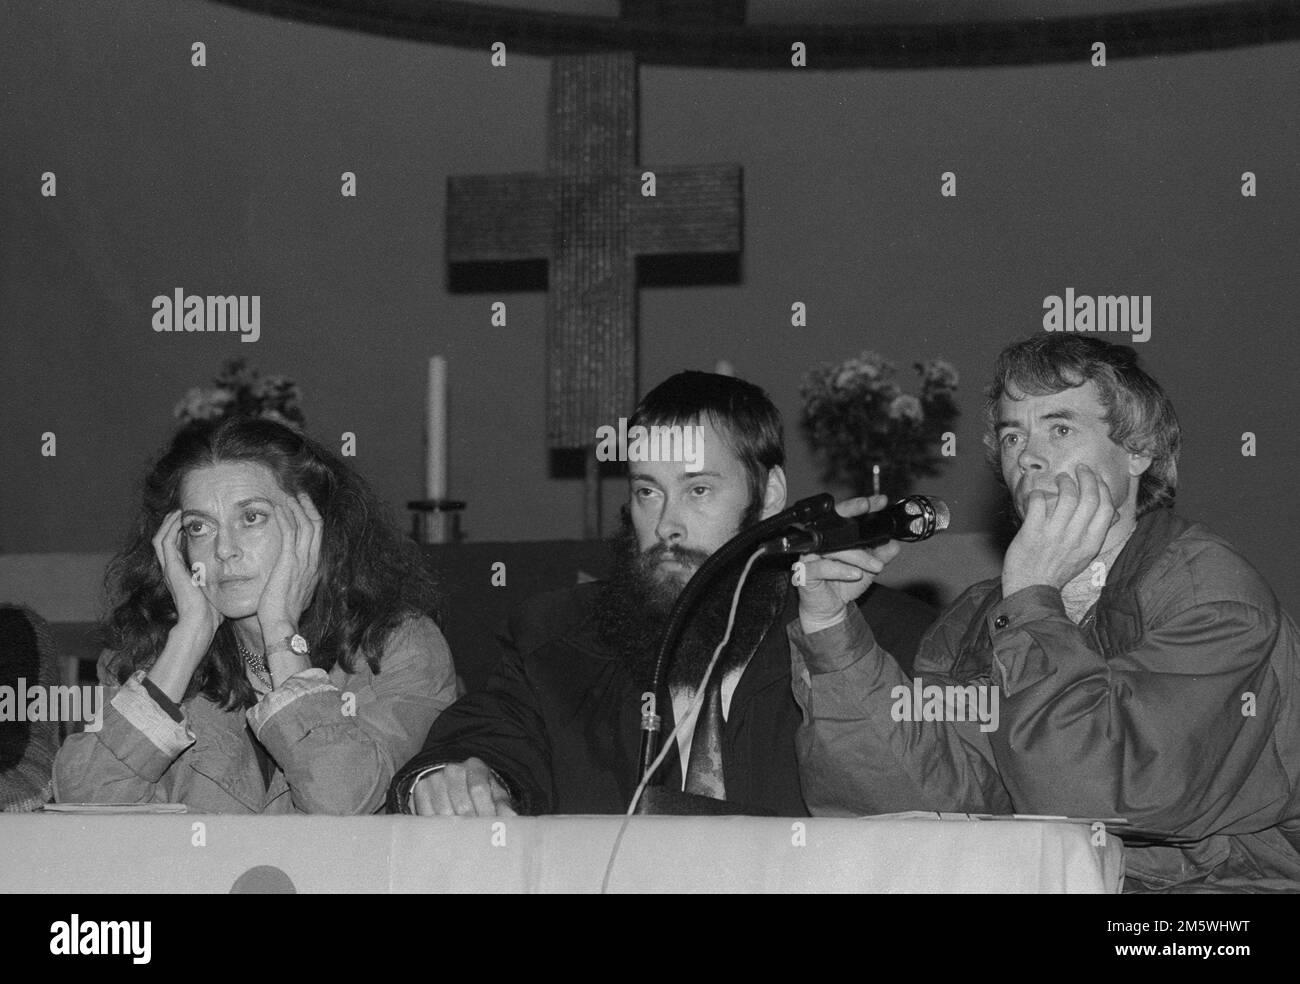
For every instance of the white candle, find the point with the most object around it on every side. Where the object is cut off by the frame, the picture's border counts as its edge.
(435, 448)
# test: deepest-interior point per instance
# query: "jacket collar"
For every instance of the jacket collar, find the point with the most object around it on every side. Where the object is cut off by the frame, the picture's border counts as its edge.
(1119, 609)
(771, 660)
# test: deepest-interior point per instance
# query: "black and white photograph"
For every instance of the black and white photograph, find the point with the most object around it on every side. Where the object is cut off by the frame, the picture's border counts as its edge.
(650, 447)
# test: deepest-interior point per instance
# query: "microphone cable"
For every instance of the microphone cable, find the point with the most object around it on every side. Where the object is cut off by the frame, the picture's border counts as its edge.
(692, 712)
(805, 511)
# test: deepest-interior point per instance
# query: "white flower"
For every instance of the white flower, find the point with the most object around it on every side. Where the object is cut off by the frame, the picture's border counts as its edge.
(201, 404)
(188, 404)
(885, 389)
(941, 374)
(871, 365)
(906, 406)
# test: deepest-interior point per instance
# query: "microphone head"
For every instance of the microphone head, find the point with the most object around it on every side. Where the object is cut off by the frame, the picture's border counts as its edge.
(912, 518)
(941, 515)
(931, 515)
(945, 517)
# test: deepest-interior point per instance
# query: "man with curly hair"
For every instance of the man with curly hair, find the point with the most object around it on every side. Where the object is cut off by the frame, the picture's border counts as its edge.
(1146, 671)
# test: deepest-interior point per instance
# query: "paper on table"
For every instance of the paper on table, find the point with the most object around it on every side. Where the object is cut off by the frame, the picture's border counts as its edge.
(95, 808)
(930, 815)
(1108, 821)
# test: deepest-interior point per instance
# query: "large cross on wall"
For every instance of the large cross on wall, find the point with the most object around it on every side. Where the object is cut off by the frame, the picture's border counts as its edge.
(589, 216)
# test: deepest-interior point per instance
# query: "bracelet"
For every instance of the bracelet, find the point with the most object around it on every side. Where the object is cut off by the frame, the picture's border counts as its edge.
(408, 801)
(162, 700)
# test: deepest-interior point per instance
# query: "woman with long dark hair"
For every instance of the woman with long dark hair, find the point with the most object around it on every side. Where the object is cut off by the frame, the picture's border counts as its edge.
(272, 650)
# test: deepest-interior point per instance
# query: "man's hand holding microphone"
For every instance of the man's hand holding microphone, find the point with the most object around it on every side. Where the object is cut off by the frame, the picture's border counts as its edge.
(831, 582)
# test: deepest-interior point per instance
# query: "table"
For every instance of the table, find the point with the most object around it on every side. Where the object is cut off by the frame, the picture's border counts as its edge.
(195, 853)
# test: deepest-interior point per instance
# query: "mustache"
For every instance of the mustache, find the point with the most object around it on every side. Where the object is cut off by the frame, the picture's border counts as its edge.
(636, 599)
(688, 557)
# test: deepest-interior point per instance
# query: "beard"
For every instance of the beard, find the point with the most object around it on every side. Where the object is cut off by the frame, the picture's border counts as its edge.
(635, 602)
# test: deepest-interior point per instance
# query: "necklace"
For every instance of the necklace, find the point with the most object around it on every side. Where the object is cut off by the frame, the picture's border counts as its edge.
(256, 662)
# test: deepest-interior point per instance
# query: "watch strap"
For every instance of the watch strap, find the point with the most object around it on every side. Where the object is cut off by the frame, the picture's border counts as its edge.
(286, 645)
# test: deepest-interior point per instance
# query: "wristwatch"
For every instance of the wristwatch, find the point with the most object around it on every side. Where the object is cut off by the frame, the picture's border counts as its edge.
(293, 643)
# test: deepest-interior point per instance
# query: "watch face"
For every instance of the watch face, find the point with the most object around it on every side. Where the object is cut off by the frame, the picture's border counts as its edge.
(298, 644)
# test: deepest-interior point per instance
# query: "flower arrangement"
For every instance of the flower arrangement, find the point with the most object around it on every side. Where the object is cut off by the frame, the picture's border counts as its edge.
(241, 389)
(856, 417)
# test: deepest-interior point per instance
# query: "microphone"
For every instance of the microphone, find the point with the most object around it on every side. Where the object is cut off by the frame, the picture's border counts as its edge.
(914, 517)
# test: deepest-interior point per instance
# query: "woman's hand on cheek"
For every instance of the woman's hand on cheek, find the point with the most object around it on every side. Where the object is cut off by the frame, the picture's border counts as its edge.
(185, 583)
(197, 620)
(293, 579)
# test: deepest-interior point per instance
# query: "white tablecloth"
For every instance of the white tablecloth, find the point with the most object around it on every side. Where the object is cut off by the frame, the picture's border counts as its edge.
(193, 853)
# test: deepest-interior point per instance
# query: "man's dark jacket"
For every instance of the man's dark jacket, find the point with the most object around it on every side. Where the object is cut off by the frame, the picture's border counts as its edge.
(559, 720)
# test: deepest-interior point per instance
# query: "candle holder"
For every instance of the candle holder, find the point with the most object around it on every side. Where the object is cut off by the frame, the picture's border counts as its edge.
(429, 520)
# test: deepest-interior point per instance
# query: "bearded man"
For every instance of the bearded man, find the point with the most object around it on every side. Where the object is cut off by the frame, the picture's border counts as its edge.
(557, 728)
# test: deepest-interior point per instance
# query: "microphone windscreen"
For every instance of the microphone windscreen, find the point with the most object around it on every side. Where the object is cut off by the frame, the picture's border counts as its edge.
(941, 515)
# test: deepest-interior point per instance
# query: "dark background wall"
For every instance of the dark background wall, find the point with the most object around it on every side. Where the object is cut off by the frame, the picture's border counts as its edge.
(225, 179)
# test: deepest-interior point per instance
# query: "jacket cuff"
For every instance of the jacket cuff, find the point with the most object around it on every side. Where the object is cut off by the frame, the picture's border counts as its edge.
(167, 738)
(286, 724)
(835, 648)
(1017, 656)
